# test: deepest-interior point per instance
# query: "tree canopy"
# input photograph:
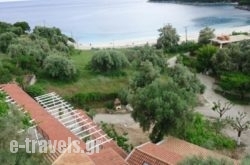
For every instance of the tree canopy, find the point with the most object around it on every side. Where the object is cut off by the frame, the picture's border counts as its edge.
(205, 35)
(165, 106)
(108, 60)
(168, 38)
(59, 67)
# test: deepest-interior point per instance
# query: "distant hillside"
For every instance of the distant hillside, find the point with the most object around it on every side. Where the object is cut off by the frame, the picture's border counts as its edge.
(244, 2)
(201, 1)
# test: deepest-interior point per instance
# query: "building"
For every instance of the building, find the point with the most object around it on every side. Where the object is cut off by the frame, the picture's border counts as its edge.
(226, 39)
(169, 152)
(54, 119)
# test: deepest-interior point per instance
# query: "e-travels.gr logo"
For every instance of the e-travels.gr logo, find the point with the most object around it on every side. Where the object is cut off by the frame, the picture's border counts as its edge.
(48, 146)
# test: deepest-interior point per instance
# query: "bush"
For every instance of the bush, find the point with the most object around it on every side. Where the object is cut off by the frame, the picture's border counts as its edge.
(205, 35)
(5, 75)
(82, 99)
(35, 90)
(108, 60)
(189, 46)
(59, 67)
(121, 140)
(109, 104)
(239, 33)
(198, 160)
(202, 133)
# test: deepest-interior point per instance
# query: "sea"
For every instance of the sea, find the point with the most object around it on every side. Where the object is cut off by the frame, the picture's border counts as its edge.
(100, 21)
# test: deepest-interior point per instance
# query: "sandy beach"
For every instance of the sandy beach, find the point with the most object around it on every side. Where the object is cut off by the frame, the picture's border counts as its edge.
(142, 41)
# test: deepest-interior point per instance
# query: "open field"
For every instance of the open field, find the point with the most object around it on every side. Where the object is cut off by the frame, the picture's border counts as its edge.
(87, 81)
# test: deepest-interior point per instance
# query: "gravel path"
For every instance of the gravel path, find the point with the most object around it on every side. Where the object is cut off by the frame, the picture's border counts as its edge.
(210, 96)
(124, 119)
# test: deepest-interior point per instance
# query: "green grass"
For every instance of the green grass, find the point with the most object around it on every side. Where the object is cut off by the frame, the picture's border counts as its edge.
(234, 98)
(87, 81)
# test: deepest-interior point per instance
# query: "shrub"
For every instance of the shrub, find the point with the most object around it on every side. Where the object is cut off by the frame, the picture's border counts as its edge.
(198, 160)
(121, 140)
(108, 60)
(82, 99)
(5, 75)
(189, 46)
(202, 133)
(205, 35)
(35, 90)
(59, 67)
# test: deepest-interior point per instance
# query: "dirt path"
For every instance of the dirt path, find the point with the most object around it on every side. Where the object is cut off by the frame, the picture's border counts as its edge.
(210, 96)
(124, 119)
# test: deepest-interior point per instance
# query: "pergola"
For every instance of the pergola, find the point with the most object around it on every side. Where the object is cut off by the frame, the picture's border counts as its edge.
(78, 123)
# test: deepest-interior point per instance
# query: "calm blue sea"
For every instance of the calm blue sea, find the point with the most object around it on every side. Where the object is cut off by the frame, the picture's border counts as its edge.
(93, 21)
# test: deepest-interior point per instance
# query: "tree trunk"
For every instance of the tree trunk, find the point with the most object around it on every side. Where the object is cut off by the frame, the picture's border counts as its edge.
(238, 139)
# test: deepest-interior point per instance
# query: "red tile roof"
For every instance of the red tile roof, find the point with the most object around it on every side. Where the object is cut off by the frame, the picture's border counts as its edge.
(49, 125)
(185, 149)
(108, 157)
(153, 155)
(169, 152)
(70, 158)
(52, 129)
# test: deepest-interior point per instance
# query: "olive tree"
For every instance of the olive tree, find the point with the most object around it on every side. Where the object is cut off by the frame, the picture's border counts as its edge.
(59, 67)
(161, 107)
(5, 40)
(204, 58)
(146, 75)
(108, 60)
(168, 38)
(205, 35)
(23, 25)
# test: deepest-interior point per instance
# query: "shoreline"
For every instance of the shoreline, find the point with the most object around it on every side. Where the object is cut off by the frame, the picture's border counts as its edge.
(195, 3)
(129, 43)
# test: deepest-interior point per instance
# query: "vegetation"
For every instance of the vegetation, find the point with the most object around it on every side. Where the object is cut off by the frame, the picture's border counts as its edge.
(35, 52)
(221, 109)
(59, 67)
(11, 122)
(198, 160)
(246, 160)
(121, 140)
(230, 66)
(190, 1)
(161, 111)
(205, 35)
(207, 134)
(244, 2)
(204, 58)
(168, 39)
(34, 90)
(108, 60)
(162, 98)
(240, 124)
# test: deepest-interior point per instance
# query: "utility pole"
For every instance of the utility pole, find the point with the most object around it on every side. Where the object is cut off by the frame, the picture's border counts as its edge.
(186, 32)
